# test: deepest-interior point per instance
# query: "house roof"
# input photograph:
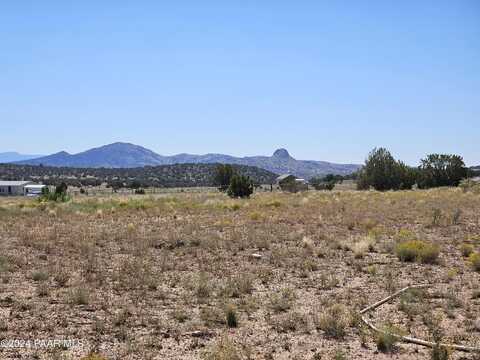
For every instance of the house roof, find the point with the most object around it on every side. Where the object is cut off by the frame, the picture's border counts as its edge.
(284, 176)
(14, 183)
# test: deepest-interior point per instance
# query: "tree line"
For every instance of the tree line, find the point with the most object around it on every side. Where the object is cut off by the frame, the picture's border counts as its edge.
(178, 175)
(383, 172)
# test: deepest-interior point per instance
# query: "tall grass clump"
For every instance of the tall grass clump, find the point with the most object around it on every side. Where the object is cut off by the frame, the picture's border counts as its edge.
(224, 349)
(334, 321)
(231, 316)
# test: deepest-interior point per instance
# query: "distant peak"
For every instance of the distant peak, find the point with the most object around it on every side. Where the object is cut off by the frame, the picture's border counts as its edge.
(281, 153)
(119, 144)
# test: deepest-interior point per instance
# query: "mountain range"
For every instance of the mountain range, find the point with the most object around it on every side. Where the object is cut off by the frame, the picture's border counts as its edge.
(125, 155)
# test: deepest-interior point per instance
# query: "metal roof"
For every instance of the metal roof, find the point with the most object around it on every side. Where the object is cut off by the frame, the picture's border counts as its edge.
(14, 183)
(35, 186)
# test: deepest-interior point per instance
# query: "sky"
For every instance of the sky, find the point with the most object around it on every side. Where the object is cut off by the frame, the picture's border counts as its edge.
(328, 80)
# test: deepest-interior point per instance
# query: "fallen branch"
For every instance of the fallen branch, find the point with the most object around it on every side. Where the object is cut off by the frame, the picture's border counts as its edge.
(388, 298)
(409, 339)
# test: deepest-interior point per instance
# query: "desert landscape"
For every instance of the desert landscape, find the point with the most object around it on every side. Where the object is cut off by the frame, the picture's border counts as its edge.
(276, 276)
(240, 180)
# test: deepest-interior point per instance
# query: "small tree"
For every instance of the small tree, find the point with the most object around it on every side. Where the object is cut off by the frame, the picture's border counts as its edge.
(240, 186)
(441, 170)
(61, 189)
(408, 176)
(223, 176)
(382, 172)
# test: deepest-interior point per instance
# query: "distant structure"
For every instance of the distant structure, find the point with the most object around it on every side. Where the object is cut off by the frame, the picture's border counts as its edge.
(20, 188)
(290, 183)
(34, 189)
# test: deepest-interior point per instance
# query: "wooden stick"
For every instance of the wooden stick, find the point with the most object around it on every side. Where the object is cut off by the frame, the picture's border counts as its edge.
(409, 339)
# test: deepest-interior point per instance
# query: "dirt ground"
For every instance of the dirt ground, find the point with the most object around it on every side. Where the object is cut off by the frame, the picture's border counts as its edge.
(202, 276)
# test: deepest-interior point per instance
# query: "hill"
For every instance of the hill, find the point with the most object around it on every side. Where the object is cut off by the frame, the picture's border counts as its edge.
(179, 175)
(124, 155)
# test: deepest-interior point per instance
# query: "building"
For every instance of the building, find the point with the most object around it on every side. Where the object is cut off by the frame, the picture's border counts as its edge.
(288, 182)
(20, 188)
(34, 189)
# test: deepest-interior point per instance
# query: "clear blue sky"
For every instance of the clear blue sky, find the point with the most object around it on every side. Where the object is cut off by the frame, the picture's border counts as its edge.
(328, 80)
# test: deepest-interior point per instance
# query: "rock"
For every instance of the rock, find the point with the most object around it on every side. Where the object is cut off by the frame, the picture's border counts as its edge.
(256, 256)
(199, 334)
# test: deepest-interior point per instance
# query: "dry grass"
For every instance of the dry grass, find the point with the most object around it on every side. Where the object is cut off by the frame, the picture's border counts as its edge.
(173, 276)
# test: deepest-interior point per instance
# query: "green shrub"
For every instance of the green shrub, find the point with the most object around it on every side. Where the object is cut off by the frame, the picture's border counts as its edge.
(240, 186)
(417, 250)
(475, 261)
(60, 194)
(466, 250)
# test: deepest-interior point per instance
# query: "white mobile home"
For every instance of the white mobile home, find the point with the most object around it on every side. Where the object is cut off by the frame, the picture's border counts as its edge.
(13, 188)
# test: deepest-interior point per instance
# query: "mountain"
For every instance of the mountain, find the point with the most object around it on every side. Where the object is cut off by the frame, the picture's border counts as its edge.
(12, 156)
(124, 155)
(279, 163)
(117, 155)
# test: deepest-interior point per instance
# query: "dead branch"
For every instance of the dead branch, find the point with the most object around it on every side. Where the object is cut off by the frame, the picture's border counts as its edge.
(388, 298)
(409, 339)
